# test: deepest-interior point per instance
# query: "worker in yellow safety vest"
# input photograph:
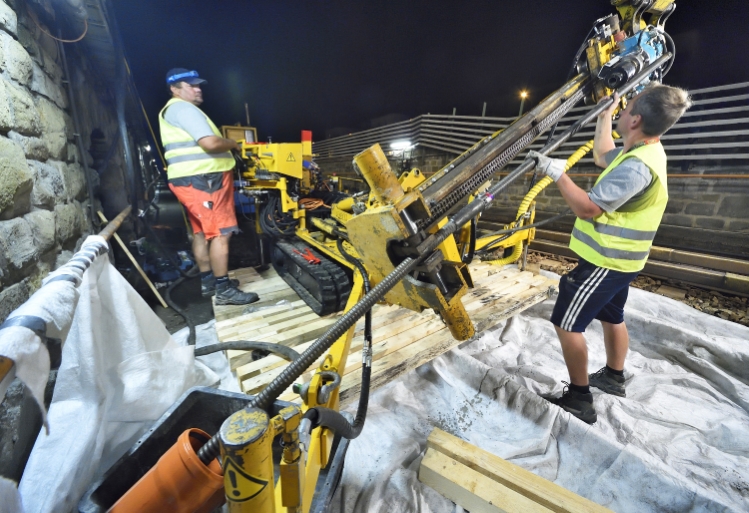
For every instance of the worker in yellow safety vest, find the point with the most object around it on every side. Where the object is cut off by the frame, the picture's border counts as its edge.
(199, 170)
(615, 226)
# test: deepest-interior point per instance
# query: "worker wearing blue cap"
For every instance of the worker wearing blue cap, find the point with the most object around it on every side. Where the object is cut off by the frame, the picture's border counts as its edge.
(199, 169)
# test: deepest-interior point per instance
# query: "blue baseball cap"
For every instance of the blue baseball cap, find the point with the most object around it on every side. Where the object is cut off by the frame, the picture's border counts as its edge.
(183, 75)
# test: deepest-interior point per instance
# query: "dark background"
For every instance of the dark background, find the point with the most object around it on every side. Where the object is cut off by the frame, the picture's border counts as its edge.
(325, 65)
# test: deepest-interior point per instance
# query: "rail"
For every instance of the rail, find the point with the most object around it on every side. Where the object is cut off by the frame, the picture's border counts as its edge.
(715, 129)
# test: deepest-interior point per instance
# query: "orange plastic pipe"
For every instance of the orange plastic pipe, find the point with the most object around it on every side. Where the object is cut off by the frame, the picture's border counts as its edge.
(178, 483)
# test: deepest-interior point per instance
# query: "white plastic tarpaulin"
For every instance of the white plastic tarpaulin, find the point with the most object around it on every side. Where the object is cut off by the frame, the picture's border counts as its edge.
(679, 441)
(120, 371)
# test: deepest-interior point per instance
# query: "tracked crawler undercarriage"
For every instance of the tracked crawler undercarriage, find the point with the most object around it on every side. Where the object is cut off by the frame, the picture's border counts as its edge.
(321, 283)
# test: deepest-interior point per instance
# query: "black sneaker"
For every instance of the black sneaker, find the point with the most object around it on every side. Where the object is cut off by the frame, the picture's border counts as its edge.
(579, 405)
(231, 295)
(608, 382)
(208, 285)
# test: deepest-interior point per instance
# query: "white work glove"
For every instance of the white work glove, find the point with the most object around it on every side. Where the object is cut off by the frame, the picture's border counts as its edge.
(548, 166)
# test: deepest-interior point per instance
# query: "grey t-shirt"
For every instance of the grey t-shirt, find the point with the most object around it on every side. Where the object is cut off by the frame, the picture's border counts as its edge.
(189, 118)
(624, 183)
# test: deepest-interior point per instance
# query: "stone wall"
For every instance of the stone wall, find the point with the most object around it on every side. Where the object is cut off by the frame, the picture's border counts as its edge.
(703, 214)
(44, 204)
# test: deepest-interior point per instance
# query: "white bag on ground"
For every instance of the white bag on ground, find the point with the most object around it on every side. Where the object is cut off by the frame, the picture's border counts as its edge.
(120, 371)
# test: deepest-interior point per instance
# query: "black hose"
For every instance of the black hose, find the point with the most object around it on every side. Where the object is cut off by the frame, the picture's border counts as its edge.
(265, 398)
(332, 419)
(673, 54)
(468, 258)
(168, 298)
(284, 352)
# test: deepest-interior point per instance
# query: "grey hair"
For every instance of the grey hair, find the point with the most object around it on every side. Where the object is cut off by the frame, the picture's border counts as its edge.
(660, 106)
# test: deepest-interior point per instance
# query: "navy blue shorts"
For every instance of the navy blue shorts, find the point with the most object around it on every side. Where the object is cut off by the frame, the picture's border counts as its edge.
(590, 292)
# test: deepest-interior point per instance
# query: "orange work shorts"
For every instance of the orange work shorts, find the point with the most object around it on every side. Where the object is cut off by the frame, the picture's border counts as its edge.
(210, 208)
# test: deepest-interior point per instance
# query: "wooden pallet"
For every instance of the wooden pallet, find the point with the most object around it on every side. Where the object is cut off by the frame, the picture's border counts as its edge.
(484, 483)
(403, 339)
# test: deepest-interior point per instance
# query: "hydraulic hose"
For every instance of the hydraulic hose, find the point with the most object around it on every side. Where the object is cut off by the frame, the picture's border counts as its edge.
(168, 298)
(284, 352)
(276, 387)
(332, 419)
(535, 191)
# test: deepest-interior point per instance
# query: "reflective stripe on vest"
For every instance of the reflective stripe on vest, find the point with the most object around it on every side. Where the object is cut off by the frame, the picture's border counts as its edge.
(183, 154)
(621, 240)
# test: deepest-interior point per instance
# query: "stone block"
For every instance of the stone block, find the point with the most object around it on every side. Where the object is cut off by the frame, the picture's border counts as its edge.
(16, 180)
(67, 223)
(734, 206)
(8, 19)
(26, 39)
(6, 109)
(738, 226)
(700, 209)
(54, 128)
(73, 154)
(42, 223)
(45, 86)
(49, 188)
(33, 147)
(17, 110)
(678, 220)
(674, 207)
(16, 60)
(18, 247)
(12, 297)
(712, 223)
(74, 179)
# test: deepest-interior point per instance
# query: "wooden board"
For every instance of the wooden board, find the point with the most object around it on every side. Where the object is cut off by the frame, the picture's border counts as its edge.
(403, 339)
(482, 482)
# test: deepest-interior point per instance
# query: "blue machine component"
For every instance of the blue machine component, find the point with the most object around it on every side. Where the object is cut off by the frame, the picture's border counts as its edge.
(633, 54)
(242, 203)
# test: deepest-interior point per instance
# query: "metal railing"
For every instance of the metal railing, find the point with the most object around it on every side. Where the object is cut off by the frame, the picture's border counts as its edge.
(716, 128)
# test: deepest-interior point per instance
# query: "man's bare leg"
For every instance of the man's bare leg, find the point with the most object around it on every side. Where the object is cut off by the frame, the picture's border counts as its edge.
(616, 340)
(575, 352)
(219, 255)
(200, 251)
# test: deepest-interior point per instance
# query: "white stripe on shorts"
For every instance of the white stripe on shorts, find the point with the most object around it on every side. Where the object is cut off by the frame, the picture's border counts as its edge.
(581, 297)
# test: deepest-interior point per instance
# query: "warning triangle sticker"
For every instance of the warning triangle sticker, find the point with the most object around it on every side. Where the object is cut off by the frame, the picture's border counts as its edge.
(290, 158)
(239, 485)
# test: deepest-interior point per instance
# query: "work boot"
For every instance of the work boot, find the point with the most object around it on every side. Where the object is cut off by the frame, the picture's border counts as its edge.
(578, 404)
(608, 382)
(229, 294)
(208, 285)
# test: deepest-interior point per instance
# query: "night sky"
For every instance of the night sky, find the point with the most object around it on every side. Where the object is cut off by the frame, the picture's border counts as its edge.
(322, 65)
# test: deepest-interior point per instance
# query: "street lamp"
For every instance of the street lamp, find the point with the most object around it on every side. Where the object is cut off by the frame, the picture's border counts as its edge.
(523, 96)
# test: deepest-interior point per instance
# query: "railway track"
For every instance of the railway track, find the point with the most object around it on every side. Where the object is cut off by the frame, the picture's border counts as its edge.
(722, 274)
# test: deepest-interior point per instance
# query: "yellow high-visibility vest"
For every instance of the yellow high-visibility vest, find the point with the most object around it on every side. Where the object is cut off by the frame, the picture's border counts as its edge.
(183, 154)
(621, 240)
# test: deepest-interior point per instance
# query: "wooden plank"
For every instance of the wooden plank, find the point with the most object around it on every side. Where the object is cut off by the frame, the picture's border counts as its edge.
(223, 312)
(396, 329)
(226, 327)
(470, 489)
(411, 329)
(505, 474)
(396, 321)
(290, 338)
(429, 348)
